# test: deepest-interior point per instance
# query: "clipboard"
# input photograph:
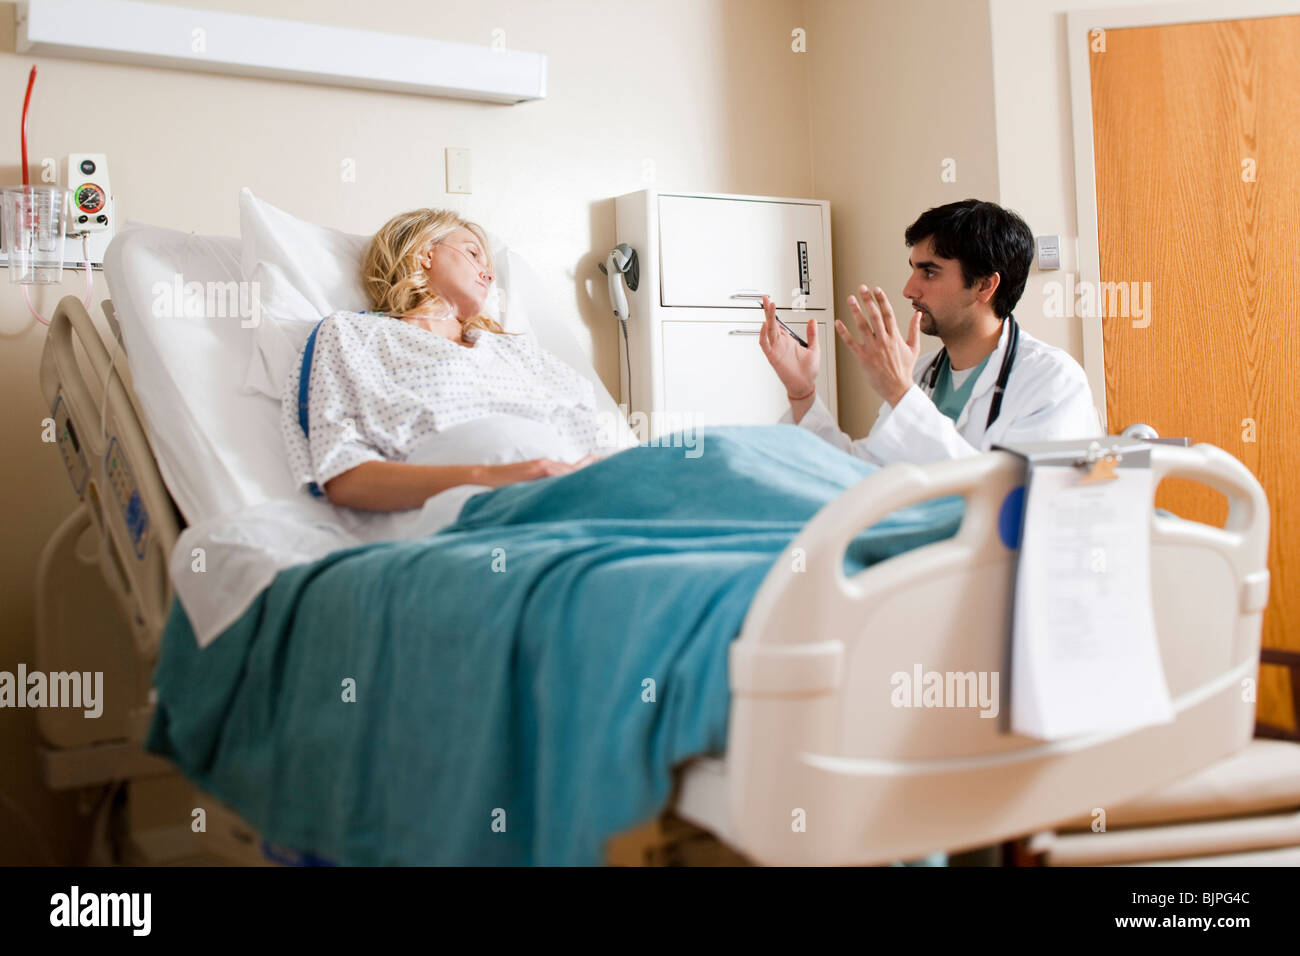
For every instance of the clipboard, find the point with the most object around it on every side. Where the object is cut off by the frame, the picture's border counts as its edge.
(1096, 458)
(1084, 657)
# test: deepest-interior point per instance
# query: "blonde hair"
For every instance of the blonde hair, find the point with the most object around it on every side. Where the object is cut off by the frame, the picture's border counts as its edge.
(391, 271)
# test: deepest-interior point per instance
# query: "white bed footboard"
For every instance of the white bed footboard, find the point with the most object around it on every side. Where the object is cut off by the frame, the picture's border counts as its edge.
(822, 768)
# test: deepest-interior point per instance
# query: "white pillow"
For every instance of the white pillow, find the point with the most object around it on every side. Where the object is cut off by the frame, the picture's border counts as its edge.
(304, 272)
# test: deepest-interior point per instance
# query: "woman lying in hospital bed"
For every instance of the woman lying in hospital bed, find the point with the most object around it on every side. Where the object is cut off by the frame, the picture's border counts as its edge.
(426, 393)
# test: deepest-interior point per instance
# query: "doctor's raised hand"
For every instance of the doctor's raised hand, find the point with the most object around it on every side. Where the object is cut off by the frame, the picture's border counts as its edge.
(886, 357)
(794, 365)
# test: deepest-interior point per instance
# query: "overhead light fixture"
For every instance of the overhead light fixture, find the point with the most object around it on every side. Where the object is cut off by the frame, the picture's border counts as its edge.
(209, 41)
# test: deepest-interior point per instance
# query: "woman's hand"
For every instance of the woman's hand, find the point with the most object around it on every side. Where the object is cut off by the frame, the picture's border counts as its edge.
(497, 475)
(400, 485)
(794, 365)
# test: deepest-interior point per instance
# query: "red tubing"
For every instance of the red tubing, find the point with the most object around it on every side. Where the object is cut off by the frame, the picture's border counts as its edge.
(31, 81)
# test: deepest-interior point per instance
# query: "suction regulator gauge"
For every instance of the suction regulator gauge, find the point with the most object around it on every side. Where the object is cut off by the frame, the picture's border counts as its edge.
(89, 198)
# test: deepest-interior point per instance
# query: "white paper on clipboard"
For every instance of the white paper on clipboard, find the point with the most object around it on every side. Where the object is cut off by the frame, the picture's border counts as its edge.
(1084, 651)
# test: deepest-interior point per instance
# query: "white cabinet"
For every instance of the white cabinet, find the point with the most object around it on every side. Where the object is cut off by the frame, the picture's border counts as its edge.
(712, 249)
(715, 372)
(694, 356)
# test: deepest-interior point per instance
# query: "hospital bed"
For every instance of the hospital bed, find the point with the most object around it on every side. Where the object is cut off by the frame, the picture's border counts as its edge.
(164, 438)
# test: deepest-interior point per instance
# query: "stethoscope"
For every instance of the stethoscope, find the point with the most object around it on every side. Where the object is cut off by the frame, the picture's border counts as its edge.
(1008, 357)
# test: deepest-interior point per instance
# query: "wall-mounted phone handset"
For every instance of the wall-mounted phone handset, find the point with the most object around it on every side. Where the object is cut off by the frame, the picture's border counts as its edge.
(622, 264)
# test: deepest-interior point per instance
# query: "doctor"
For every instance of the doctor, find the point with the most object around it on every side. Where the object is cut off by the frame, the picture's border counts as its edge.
(991, 383)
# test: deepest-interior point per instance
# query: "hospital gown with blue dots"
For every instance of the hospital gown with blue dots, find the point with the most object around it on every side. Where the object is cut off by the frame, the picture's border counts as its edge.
(379, 387)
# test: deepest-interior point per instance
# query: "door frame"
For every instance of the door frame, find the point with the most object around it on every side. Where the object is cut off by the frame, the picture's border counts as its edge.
(1079, 27)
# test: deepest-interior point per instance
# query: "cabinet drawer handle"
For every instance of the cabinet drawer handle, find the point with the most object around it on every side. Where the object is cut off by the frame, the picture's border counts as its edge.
(748, 295)
(743, 332)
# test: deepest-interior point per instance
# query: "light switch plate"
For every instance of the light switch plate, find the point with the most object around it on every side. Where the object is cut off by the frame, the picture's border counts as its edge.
(457, 170)
(1049, 252)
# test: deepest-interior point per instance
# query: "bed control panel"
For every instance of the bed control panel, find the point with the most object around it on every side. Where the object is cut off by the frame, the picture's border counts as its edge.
(74, 456)
(127, 495)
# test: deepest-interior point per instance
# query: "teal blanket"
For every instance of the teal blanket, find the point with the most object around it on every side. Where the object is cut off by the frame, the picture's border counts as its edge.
(518, 687)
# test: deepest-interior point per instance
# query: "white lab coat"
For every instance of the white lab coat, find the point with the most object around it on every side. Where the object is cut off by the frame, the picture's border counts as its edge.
(1047, 398)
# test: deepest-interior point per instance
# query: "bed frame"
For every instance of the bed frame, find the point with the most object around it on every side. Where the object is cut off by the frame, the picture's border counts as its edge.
(820, 768)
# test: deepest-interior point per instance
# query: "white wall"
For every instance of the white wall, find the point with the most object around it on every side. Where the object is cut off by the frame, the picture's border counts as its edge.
(895, 88)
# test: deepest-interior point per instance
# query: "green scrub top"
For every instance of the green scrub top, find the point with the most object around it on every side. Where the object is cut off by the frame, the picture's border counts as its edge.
(950, 401)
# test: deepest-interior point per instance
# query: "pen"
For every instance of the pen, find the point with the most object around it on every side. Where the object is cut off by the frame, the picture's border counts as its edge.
(786, 327)
(759, 296)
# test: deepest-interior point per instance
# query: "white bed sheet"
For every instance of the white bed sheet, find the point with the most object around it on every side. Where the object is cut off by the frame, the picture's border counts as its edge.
(219, 447)
(242, 552)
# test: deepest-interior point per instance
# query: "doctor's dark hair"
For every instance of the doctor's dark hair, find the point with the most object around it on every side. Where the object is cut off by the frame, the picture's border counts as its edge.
(984, 238)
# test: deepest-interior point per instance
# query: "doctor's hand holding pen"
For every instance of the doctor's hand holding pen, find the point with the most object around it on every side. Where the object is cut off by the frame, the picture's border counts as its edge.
(795, 364)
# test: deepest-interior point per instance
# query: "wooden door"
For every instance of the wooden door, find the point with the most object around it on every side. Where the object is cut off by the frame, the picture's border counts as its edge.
(1197, 154)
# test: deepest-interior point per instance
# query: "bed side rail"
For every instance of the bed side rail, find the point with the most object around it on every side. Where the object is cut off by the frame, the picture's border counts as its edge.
(985, 481)
(109, 461)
